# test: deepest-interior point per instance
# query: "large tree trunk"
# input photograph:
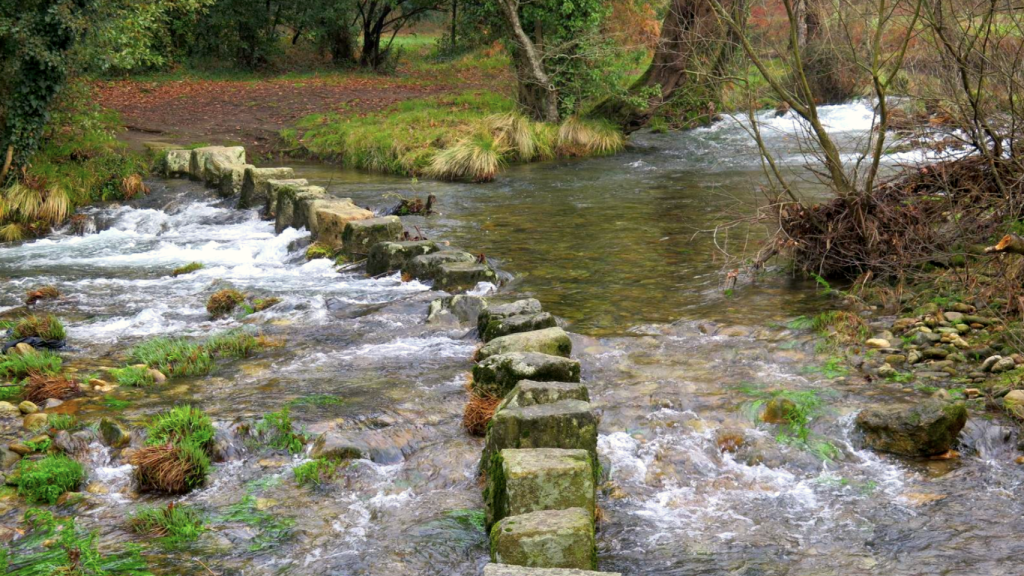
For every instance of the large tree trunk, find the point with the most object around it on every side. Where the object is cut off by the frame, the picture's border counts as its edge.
(537, 94)
(692, 49)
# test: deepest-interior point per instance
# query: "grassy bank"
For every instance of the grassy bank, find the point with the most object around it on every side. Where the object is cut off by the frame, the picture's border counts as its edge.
(80, 162)
(465, 136)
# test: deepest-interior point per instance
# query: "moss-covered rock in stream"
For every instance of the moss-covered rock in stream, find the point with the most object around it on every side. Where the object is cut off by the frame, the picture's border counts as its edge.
(426, 267)
(552, 341)
(205, 163)
(497, 375)
(522, 481)
(290, 201)
(499, 312)
(462, 276)
(392, 256)
(360, 235)
(464, 307)
(231, 179)
(530, 393)
(569, 424)
(272, 189)
(253, 192)
(546, 539)
(496, 328)
(338, 446)
(510, 570)
(928, 428)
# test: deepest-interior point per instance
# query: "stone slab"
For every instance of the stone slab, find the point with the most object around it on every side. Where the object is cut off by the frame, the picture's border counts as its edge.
(360, 235)
(522, 481)
(546, 539)
(553, 341)
(497, 375)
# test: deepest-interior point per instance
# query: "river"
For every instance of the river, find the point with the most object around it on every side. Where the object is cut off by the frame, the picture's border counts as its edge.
(620, 248)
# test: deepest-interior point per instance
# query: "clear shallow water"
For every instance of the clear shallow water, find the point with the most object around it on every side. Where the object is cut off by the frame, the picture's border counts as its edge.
(609, 244)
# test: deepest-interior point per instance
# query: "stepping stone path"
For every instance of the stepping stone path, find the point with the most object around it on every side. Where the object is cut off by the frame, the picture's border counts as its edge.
(540, 453)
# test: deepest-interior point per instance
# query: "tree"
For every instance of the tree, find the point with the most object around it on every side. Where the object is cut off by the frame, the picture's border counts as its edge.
(332, 25)
(380, 18)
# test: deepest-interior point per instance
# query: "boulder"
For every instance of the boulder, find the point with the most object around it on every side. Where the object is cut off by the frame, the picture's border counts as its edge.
(307, 208)
(928, 428)
(254, 191)
(499, 312)
(531, 393)
(338, 446)
(568, 424)
(231, 179)
(271, 189)
(201, 163)
(114, 434)
(176, 162)
(288, 199)
(461, 276)
(331, 216)
(553, 341)
(516, 324)
(510, 570)
(392, 256)
(360, 235)
(522, 481)
(1014, 403)
(426, 267)
(546, 539)
(497, 375)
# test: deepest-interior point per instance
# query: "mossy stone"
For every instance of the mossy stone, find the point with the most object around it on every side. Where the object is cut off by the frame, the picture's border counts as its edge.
(546, 539)
(928, 428)
(497, 375)
(496, 328)
(392, 256)
(553, 341)
(568, 424)
(523, 481)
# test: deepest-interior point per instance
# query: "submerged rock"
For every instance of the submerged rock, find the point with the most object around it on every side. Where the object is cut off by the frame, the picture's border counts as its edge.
(463, 307)
(522, 481)
(510, 570)
(546, 539)
(461, 276)
(338, 446)
(114, 434)
(497, 375)
(553, 341)
(392, 256)
(928, 428)
(360, 235)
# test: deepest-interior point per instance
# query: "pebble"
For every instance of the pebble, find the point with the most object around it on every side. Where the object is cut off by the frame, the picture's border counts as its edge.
(954, 316)
(934, 352)
(913, 357)
(33, 421)
(1003, 365)
(989, 362)
(22, 348)
(877, 343)
(27, 407)
(158, 376)
(8, 409)
(886, 370)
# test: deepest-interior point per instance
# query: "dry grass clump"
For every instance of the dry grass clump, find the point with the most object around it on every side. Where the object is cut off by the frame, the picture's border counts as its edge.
(132, 186)
(515, 133)
(588, 137)
(223, 302)
(44, 293)
(42, 387)
(170, 468)
(479, 411)
(27, 210)
(477, 158)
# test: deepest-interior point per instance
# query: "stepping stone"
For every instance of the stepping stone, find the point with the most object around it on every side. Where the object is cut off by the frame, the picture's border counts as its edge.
(254, 191)
(464, 307)
(546, 539)
(391, 256)
(307, 208)
(510, 570)
(231, 178)
(499, 312)
(360, 235)
(497, 375)
(426, 267)
(288, 203)
(176, 162)
(272, 189)
(461, 276)
(200, 165)
(499, 327)
(569, 424)
(522, 481)
(553, 341)
(332, 216)
(531, 393)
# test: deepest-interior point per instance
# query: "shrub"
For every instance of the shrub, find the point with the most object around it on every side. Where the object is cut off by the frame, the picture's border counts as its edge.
(187, 269)
(137, 376)
(223, 302)
(181, 424)
(173, 357)
(315, 472)
(233, 343)
(46, 327)
(48, 479)
(21, 365)
(42, 387)
(276, 429)
(175, 523)
(831, 77)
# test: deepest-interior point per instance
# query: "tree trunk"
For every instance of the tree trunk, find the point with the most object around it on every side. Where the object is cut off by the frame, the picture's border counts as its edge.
(536, 91)
(455, 17)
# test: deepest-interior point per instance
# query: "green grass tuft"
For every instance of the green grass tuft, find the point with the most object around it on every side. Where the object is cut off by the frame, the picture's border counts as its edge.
(180, 424)
(46, 480)
(173, 524)
(47, 327)
(476, 158)
(588, 137)
(21, 365)
(137, 376)
(173, 357)
(187, 269)
(236, 343)
(276, 429)
(62, 422)
(315, 472)
(52, 547)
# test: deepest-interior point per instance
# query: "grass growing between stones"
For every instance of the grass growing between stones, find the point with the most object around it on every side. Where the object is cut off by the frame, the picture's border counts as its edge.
(21, 365)
(177, 454)
(52, 547)
(62, 422)
(318, 400)
(173, 356)
(793, 411)
(46, 480)
(233, 344)
(315, 472)
(43, 293)
(275, 430)
(270, 529)
(173, 524)
(47, 327)
(186, 269)
(135, 376)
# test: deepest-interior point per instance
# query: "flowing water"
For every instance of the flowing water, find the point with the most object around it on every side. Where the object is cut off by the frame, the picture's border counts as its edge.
(618, 248)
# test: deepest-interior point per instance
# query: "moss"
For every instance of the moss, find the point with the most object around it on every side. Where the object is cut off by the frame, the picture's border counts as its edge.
(223, 302)
(46, 480)
(316, 251)
(261, 304)
(233, 343)
(187, 269)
